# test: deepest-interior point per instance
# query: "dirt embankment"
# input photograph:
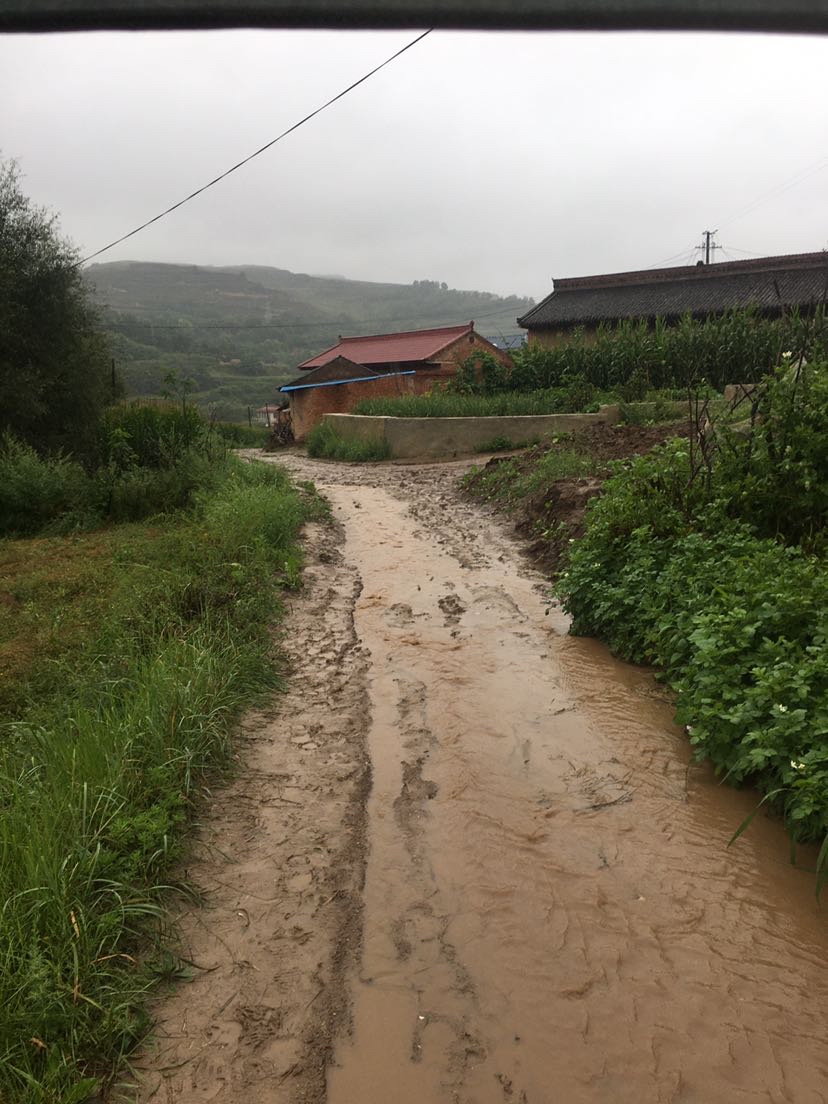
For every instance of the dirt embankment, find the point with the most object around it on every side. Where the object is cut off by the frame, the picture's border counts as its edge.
(555, 514)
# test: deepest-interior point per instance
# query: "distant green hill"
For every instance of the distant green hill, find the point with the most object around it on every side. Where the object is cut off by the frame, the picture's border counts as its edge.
(236, 333)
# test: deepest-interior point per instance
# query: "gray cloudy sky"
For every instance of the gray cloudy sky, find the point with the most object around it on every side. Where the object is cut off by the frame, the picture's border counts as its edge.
(490, 161)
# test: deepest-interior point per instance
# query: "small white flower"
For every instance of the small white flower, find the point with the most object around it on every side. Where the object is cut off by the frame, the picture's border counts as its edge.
(797, 766)
(782, 708)
(787, 355)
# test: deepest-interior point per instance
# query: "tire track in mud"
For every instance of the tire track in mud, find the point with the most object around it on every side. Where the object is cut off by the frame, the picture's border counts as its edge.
(279, 864)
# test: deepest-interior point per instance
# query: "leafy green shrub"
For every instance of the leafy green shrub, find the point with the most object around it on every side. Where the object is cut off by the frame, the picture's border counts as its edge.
(739, 625)
(683, 566)
(323, 441)
(35, 490)
(773, 470)
(152, 435)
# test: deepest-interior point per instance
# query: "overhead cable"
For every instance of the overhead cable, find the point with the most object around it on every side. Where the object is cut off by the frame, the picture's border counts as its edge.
(256, 153)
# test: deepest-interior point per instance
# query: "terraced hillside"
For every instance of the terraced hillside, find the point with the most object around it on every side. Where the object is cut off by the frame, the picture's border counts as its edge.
(229, 336)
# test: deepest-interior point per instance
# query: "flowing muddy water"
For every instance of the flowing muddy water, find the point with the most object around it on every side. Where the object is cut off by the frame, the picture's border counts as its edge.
(550, 914)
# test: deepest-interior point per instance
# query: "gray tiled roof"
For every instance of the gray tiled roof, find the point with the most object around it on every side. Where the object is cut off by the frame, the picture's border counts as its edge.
(769, 283)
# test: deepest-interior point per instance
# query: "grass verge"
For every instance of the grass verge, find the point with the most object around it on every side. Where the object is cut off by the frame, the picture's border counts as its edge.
(126, 655)
(324, 442)
(510, 481)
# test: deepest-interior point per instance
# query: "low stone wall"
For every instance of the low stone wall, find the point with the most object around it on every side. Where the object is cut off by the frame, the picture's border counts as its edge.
(440, 438)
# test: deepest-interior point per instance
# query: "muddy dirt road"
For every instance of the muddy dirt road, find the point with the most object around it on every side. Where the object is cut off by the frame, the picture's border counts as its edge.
(535, 904)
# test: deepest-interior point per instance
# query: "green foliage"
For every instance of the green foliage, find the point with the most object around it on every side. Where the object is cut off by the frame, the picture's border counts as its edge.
(148, 459)
(632, 358)
(35, 490)
(772, 468)
(696, 559)
(452, 403)
(119, 716)
(55, 375)
(238, 435)
(512, 480)
(323, 441)
(240, 332)
(739, 625)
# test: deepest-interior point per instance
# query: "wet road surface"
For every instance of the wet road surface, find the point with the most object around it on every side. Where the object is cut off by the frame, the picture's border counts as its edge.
(538, 905)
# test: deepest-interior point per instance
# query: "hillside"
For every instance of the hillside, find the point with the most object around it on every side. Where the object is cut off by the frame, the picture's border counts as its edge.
(235, 333)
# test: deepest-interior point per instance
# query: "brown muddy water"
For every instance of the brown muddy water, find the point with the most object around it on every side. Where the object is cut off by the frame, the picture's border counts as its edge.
(550, 912)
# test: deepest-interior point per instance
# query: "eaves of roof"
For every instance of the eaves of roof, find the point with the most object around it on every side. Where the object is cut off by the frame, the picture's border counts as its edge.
(769, 284)
(337, 383)
(409, 347)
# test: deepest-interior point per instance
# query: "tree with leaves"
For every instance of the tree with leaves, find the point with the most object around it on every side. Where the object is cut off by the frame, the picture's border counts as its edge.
(55, 369)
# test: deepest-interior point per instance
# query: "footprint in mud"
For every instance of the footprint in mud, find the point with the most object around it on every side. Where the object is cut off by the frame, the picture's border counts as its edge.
(498, 601)
(399, 614)
(452, 607)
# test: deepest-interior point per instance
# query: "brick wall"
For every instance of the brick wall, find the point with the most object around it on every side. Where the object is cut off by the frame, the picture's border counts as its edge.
(308, 406)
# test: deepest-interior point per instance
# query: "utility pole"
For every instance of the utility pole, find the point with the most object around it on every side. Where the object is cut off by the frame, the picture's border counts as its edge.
(708, 246)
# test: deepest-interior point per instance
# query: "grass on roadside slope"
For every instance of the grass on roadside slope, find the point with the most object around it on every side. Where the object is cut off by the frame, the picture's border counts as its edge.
(324, 442)
(129, 653)
(514, 480)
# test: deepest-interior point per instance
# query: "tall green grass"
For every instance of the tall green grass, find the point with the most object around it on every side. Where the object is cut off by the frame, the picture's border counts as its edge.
(102, 766)
(323, 441)
(452, 404)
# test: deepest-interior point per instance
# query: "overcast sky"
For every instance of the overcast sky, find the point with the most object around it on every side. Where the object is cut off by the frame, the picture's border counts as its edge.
(490, 161)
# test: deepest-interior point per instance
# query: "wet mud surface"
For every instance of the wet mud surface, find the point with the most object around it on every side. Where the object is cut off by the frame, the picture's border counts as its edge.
(534, 904)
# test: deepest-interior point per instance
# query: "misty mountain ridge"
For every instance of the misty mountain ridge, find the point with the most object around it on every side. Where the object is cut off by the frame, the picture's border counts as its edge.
(239, 331)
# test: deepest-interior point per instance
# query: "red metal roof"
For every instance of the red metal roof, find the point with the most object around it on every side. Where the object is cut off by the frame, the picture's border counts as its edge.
(395, 348)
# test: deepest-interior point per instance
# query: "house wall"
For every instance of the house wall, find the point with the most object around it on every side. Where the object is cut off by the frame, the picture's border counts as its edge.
(451, 358)
(308, 406)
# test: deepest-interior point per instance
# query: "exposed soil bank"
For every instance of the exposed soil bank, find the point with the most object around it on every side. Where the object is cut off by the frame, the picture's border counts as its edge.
(550, 913)
(558, 510)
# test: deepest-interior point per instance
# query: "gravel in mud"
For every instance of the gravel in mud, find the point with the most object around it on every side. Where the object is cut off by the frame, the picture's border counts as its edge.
(533, 905)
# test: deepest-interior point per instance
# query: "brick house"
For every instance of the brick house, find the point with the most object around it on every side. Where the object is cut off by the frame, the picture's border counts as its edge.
(380, 365)
(771, 284)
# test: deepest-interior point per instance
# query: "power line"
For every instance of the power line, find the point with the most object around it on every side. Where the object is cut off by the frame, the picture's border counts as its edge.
(688, 251)
(746, 252)
(257, 152)
(798, 178)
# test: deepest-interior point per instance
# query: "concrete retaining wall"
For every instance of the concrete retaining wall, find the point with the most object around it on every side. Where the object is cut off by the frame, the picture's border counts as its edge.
(433, 438)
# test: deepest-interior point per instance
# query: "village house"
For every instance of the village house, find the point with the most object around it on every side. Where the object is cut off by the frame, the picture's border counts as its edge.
(771, 284)
(380, 365)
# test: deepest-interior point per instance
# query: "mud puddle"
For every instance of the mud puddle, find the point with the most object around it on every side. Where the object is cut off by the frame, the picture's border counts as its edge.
(549, 913)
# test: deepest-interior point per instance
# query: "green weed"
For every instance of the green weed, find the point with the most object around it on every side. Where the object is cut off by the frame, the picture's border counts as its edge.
(323, 441)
